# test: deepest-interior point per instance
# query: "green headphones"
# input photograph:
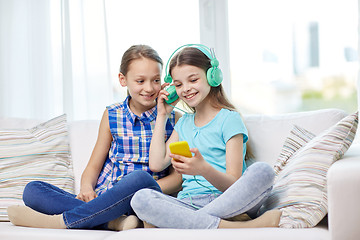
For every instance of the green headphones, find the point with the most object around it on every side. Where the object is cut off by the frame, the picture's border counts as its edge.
(214, 75)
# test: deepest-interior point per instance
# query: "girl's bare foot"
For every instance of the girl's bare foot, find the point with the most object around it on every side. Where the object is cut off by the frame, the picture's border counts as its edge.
(124, 223)
(148, 225)
(27, 217)
(268, 219)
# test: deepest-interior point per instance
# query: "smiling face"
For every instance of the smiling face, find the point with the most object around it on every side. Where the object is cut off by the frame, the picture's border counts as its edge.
(191, 85)
(143, 83)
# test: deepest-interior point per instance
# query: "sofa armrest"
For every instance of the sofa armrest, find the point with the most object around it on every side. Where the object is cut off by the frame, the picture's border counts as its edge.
(344, 196)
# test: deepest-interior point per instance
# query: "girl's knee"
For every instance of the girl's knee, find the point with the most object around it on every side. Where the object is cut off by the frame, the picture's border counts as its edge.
(140, 174)
(145, 179)
(141, 199)
(268, 171)
(32, 186)
(142, 203)
(30, 189)
(260, 174)
(264, 169)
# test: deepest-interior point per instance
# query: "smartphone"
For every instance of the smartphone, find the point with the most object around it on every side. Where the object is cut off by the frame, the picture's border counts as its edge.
(180, 148)
(172, 94)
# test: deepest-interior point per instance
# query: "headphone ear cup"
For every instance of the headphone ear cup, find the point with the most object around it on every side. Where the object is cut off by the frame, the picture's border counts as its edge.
(172, 94)
(214, 76)
(168, 78)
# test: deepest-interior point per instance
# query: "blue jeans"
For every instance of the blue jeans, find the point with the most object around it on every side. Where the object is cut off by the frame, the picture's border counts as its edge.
(49, 199)
(246, 195)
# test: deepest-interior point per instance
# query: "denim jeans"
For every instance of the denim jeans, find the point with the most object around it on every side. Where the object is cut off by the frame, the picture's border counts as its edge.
(49, 199)
(246, 195)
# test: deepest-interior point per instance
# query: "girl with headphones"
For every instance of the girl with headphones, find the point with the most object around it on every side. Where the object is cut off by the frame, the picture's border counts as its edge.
(217, 185)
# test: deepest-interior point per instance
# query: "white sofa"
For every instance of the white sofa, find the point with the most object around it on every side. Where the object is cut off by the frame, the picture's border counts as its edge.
(267, 134)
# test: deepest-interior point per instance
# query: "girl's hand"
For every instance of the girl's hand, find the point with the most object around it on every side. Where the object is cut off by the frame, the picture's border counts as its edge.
(163, 107)
(164, 85)
(86, 196)
(195, 165)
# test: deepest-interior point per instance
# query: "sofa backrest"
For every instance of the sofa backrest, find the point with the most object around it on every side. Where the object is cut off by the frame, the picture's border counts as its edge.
(82, 138)
(267, 133)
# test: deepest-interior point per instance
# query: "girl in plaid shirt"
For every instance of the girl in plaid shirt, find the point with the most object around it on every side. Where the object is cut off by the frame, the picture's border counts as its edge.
(119, 164)
(216, 183)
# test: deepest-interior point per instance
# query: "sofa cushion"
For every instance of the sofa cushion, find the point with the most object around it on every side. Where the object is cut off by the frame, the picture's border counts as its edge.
(38, 153)
(300, 189)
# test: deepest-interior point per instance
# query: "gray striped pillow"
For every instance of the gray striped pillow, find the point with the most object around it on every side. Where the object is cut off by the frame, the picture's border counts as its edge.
(300, 189)
(40, 153)
(298, 138)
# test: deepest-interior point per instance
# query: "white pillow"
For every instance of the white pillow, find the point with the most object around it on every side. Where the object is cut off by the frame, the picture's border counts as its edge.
(300, 189)
(39, 153)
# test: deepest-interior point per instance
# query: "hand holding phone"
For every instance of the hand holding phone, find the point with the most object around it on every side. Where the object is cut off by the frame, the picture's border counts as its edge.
(180, 148)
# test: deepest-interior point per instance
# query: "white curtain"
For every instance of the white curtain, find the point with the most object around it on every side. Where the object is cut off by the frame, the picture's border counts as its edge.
(54, 54)
(54, 59)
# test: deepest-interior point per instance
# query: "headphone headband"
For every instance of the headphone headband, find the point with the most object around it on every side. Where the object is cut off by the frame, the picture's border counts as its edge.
(209, 52)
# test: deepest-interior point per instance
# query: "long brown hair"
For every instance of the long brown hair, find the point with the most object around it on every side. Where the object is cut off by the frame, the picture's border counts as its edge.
(195, 57)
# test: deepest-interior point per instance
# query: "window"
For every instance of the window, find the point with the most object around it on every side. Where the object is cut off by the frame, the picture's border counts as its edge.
(70, 51)
(164, 25)
(288, 56)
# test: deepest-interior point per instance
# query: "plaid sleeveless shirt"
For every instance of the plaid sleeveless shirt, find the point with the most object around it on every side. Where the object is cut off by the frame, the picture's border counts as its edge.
(130, 147)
